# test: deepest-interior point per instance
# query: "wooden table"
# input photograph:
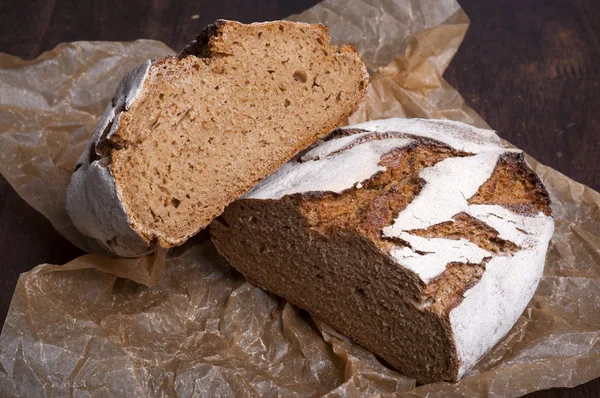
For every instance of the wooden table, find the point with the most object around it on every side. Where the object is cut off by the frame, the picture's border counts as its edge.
(530, 68)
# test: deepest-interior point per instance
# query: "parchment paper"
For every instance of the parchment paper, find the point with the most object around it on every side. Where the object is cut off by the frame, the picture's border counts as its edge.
(189, 325)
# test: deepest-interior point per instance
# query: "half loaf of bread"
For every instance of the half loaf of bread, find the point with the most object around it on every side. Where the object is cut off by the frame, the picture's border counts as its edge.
(422, 240)
(186, 135)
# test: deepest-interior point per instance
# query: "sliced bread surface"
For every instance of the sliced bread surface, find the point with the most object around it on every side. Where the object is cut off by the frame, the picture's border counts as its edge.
(184, 136)
(422, 240)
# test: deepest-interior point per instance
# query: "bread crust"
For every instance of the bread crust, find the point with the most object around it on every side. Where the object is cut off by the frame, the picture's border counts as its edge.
(92, 200)
(457, 221)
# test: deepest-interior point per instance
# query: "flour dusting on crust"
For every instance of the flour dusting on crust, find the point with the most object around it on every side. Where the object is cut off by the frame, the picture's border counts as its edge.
(92, 199)
(490, 307)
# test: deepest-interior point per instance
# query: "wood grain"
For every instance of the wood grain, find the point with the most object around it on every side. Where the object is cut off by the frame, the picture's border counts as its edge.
(530, 68)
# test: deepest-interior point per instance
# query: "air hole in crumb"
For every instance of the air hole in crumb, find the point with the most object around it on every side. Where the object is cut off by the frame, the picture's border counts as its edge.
(300, 76)
(262, 249)
(319, 40)
(339, 96)
(196, 66)
(319, 276)
(271, 71)
(161, 96)
(217, 88)
(175, 202)
(187, 195)
(286, 103)
(281, 28)
(361, 85)
(260, 34)
(360, 291)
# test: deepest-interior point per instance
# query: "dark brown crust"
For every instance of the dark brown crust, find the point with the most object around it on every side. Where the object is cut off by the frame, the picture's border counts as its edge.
(200, 46)
(339, 133)
(448, 297)
(381, 198)
(524, 187)
(462, 227)
(447, 289)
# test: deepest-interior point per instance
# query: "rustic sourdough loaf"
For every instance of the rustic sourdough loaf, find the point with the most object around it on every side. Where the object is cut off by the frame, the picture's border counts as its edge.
(184, 136)
(423, 240)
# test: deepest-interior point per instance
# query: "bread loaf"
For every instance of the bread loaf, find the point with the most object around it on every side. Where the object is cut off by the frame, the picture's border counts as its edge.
(184, 136)
(422, 240)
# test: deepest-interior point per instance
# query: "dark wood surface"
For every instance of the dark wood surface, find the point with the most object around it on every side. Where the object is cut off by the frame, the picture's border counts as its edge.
(530, 68)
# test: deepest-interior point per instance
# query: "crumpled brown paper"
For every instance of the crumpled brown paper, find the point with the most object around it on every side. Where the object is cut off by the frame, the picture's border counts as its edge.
(189, 325)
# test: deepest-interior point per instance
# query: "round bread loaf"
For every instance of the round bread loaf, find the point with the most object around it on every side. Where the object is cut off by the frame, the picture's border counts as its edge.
(422, 240)
(184, 136)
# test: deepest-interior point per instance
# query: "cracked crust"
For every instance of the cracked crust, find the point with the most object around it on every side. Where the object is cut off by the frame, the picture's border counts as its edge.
(422, 240)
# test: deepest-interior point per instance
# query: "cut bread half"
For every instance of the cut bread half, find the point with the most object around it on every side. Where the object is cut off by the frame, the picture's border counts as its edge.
(184, 136)
(422, 240)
